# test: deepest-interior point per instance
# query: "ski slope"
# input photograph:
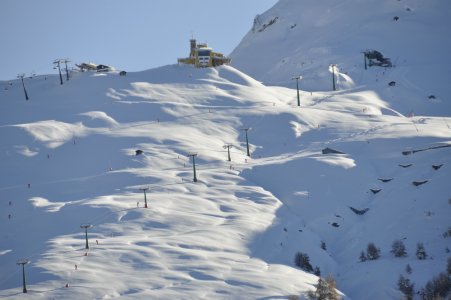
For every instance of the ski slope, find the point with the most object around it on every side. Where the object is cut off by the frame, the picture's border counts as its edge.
(306, 37)
(235, 232)
(68, 157)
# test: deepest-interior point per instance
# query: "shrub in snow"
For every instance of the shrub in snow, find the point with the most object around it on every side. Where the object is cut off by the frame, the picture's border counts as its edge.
(408, 269)
(421, 252)
(405, 287)
(323, 245)
(325, 289)
(398, 248)
(372, 252)
(437, 288)
(447, 233)
(302, 260)
(317, 271)
(362, 256)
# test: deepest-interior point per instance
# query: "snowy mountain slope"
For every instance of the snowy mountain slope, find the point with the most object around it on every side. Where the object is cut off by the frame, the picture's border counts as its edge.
(234, 233)
(305, 37)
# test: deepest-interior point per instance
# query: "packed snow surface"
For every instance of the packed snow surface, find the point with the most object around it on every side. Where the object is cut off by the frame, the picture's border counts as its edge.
(69, 157)
(306, 37)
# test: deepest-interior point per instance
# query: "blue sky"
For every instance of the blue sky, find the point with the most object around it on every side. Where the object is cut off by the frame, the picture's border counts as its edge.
(132, 35)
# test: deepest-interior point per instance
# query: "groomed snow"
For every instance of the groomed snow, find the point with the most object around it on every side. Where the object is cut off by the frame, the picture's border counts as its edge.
(68, 157)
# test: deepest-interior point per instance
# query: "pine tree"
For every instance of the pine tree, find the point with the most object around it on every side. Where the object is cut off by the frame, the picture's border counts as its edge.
(317, 271)
(421, 252)
(302, 260)
(372, 252)
(437, 288)
(398, 248)
(325, 289)
(406, 287)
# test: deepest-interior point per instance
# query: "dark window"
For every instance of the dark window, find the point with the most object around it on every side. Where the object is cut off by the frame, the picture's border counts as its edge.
(204, 52)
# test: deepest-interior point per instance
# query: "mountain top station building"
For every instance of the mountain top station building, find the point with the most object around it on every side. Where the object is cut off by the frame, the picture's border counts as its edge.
(202, 56)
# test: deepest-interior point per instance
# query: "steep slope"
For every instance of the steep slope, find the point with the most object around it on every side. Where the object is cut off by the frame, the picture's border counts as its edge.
(306, 37)
(68, 157)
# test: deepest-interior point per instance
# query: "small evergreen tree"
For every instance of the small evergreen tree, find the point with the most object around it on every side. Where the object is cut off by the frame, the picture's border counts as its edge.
(405, 287)
(325, 289)
(437, 288)
(317, 271)
(362, 256)
(372, 252)
(398, 248)
(408, 269)
(323, 245)
(302, 260)
(421, 252)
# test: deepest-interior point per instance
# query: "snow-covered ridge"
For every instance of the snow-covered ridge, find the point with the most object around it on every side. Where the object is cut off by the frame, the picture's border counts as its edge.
(305, 37)
(69, 157)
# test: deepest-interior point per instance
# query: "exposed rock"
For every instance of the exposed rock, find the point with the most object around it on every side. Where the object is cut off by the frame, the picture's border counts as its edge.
(385, 179)
(405, 166)
(359, 211)
(375, 191)
(417, 183)
(436, 167)
(331, 151)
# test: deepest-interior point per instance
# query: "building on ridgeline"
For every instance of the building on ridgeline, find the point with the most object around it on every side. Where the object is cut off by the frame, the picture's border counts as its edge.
(203, 56)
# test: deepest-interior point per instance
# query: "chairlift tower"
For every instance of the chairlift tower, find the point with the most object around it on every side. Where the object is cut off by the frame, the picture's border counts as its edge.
(21, 76)
(298, 77)
(194, 165)
(247, 141)
(67, 70)
(333, 76)
(57, 63)
(23, 262)
(365, 53)
(228, 146)
(145, 197)
(86, 227)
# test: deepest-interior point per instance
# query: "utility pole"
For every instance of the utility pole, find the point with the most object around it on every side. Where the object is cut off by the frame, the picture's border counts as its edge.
(228, 146)
(57, 62)
(145, 197)
(21, 76)
(247, 140)
(86, 227)
(194, 165)
(23, 262)
(299, 77)
(333, 76)
(67, 70)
